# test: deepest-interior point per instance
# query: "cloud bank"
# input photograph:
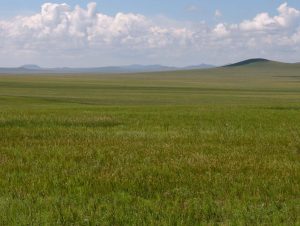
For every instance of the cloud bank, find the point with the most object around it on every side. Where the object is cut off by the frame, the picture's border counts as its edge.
(60, 35)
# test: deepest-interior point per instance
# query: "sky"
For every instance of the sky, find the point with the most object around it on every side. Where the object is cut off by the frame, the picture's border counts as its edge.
(71, 33)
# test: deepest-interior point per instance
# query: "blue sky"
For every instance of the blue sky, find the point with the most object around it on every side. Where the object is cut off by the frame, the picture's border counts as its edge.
(172, 32)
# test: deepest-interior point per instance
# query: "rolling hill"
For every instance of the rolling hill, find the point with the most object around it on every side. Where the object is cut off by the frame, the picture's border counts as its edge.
(261, 63)
(249, 62)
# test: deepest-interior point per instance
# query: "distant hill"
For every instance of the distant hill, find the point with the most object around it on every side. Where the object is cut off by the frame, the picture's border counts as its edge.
(260, 62)
(261, 67)
(249, 62)
(263, 64)
(135, 68)
(254, 64)
(200, 66)
(30, 67)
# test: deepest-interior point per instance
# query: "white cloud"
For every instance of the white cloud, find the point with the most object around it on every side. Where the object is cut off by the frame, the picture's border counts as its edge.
(62, 35)
(221, 30)
(287, 16)
(57, 26)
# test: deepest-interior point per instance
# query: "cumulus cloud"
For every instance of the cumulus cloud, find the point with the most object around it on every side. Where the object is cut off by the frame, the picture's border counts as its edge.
(287, 16)
(84, 35)
(221, 30)
(59, 26)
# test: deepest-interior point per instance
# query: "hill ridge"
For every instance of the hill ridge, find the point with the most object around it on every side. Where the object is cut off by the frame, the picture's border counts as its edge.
(249, 61)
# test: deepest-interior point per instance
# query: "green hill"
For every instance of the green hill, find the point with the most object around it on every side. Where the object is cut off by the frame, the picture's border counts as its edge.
(249, 62)
(263, 63)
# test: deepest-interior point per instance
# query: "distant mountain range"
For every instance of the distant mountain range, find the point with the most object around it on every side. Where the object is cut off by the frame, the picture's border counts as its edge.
(31, 68)
(136, 68)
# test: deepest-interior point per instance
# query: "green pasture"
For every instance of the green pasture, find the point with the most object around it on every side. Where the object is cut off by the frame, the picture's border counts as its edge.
(204, 147)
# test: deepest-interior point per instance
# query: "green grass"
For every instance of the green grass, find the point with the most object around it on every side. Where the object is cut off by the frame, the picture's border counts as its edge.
(212, 147)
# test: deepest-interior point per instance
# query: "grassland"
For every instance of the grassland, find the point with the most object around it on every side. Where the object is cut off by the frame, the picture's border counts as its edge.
(211, 147)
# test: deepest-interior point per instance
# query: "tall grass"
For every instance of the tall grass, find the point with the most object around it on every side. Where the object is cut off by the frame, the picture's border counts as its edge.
(192, 148)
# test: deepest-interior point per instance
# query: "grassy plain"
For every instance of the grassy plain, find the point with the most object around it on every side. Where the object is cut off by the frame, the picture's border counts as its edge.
(210, 147)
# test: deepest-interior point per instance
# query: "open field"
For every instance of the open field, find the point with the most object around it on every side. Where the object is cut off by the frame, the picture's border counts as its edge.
(219, 146)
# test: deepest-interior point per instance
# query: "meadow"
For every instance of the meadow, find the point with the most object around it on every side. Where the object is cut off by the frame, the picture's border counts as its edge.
(200, 147)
